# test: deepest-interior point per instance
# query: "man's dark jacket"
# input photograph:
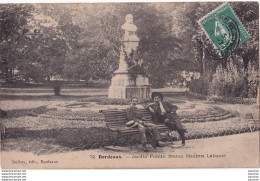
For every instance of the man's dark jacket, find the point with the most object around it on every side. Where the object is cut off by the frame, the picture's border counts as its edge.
(157, 117)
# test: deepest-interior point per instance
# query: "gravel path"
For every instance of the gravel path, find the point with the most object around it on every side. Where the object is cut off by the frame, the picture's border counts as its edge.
(221, 152)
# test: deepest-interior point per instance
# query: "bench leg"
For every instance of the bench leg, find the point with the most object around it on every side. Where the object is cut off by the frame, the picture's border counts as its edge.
(250, 127)
(117, 138)
(168, 134)
(151, 139)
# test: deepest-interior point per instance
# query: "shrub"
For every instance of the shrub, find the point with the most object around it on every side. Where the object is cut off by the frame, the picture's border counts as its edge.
(57, 90)
(253, 81)
(200, 86)
(229, 82)
(233, 100)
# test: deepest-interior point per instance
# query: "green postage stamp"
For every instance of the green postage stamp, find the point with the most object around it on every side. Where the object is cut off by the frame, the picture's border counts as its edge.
(224, 29)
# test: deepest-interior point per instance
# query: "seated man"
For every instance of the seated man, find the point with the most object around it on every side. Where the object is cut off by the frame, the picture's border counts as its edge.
(165, 112)
(135, 116)
(3, 114)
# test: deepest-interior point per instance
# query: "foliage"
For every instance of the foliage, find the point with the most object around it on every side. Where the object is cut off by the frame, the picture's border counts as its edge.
(248, 14)
(208, 58)
(253, 81)
(156, 41)
(81, 46)
(46, 41)
(59, 133)
(16, 113)
(113, 101)
(233, 100)
(200, 86)
(76, 115)
(13, 36)
(233, 81)
(229, 82)
(205, 53)
(198, 49)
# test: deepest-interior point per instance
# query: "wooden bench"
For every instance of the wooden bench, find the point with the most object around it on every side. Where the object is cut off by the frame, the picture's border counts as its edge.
(253, 124)
(116, 121)
(3, 114)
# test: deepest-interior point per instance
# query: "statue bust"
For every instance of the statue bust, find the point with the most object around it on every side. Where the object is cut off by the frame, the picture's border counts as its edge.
(130, 29)
(129, 26)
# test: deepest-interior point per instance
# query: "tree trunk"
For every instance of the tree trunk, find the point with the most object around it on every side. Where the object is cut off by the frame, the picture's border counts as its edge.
(88, 80)
(5, 71)
(49, 78)
(258, 96)
(203, 59)
(203, 62)
(10, 75)
(258, 91)
(224, 62)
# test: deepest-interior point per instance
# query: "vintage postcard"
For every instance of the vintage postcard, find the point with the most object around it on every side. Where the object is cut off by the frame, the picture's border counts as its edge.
(129, 85)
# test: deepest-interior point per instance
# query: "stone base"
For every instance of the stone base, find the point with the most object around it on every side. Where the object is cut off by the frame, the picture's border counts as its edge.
(124, 86)
(124, 92)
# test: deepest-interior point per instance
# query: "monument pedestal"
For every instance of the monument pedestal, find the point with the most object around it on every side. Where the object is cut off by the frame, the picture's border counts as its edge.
(124, 86)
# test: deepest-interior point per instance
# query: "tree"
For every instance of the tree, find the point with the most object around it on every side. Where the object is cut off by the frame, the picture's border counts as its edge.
(101, 25)
(13, 36)
(83, 43)
(196, 48)
(184, 17)
(248, 14)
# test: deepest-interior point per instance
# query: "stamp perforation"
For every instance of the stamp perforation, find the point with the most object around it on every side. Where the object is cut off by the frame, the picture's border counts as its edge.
(202, 21)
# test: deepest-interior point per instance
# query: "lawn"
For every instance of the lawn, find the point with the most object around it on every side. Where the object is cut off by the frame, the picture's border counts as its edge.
(42, 123)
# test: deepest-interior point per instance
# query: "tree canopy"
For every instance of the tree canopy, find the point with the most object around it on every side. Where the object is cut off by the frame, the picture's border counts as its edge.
(81, 42)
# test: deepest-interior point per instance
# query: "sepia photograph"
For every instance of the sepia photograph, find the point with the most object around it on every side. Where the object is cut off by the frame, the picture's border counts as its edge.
(129, 85)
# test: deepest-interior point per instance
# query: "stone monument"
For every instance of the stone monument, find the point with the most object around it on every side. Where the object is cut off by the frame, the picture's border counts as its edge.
(130, 79)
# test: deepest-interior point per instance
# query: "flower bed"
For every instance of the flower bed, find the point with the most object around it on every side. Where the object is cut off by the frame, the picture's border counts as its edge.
(65, 135)
(15, 113)
(111, 101)
(211, 113)
(75, 115)
(65, 130)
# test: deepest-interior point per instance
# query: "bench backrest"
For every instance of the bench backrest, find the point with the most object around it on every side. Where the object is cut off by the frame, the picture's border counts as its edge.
(117, 117)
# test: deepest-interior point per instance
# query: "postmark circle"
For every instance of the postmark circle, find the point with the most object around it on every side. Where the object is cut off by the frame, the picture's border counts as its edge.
(227, 33)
